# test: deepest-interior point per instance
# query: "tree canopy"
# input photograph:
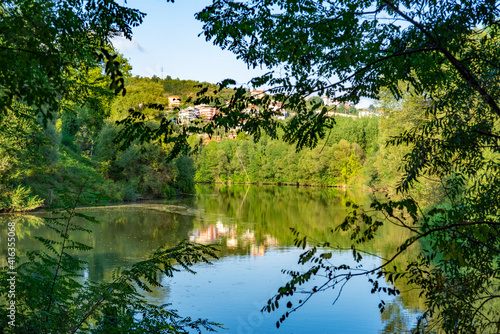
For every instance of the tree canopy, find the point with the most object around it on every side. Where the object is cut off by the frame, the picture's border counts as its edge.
(445, 52)
(47, 47)
(56, 69)
(364, 44)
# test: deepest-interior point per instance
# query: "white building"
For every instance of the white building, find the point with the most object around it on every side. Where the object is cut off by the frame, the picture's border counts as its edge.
(188, 115)
(370, 113)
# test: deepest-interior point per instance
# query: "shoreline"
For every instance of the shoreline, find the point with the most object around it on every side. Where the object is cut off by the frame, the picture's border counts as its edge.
(279, 184)
(46, 207)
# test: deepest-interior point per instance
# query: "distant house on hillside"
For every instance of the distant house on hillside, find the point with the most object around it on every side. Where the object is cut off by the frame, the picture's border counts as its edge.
(276, 106)
(258, 93)
(188, 115)
(174, 101)
(365, 113)
(370, 113)
(206, 111)
(253, 110)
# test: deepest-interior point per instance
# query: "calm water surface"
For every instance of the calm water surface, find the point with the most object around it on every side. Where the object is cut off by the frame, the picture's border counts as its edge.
(250, 225)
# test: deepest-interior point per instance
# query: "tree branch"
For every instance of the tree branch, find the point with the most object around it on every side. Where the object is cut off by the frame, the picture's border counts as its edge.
(23, 50)
(459, 66)
(369, 66)
(489, 134)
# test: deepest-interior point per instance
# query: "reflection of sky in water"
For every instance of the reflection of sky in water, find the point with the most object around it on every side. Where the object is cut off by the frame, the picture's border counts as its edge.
(235, 288)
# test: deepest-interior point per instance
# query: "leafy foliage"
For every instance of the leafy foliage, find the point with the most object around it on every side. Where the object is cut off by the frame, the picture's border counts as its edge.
(58, 76)
(272, 161)
(53, 298)
(444, 53)
(24, 146)
(46, 48)
(58, 69)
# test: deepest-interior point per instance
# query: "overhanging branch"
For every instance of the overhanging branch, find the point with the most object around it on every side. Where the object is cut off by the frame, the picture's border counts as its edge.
(459, 66)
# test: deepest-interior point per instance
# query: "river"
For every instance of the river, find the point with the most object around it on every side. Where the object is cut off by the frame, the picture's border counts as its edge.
(251, 227)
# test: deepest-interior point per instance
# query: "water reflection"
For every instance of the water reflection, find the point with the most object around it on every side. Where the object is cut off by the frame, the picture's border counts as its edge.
(233, 239)
(251, 226)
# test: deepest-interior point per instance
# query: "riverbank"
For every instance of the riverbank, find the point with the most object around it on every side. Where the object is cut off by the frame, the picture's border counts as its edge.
(298, 184)
(358, 190)
(44, 187)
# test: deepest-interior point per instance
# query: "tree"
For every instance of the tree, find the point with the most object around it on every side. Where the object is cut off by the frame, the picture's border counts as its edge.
(48, 51)
(19, 152)
(52, 56)
(446, 52)
(315, 102)
(47, 47)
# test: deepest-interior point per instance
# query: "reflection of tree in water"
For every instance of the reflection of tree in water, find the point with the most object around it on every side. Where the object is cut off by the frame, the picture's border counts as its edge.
(125, 235)
(129, 234)
(25, 228)
(397, 319)
(242, 220)
(25, 224)
(271, 211)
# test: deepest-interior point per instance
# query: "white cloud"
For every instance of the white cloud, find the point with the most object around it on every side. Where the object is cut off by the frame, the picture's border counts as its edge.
(364, 103)
(123, 44)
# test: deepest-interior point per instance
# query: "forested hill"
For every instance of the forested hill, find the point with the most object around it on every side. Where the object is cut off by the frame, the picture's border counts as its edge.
(337, 160)
(39, 163)
(186, 90)
(354, 153)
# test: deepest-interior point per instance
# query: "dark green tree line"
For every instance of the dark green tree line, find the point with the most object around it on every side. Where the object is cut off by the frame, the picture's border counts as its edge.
(336, 161)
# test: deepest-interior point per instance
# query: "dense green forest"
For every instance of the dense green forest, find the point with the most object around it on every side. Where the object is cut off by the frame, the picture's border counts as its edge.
(354, 153)
(432, 65)
(436, 60)
(40, 160)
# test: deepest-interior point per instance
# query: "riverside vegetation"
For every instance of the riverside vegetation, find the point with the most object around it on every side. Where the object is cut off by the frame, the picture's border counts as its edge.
(435, 75)
(38, 160)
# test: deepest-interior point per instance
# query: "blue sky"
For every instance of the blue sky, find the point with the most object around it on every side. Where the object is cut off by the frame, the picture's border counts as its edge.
(168, 39)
